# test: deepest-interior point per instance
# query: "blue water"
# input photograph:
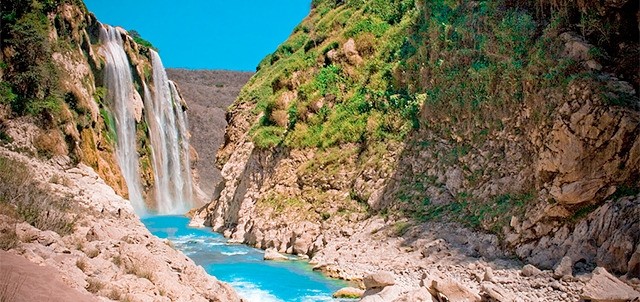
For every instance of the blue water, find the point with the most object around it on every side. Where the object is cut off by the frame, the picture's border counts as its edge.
(242, 267)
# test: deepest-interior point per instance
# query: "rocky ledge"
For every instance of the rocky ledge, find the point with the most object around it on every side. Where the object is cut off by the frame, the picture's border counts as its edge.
(105, 254)
(440, 262)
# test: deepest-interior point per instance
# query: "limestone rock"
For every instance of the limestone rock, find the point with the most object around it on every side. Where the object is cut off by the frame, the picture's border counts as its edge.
(604, 287)
(497, 293)
(348, 292)
(451, 290)
(379, 280)
(530, 270)
(389, 293)
(418, 295)
(272, 254)
(351, 52)
(488, 274)
(564, 268)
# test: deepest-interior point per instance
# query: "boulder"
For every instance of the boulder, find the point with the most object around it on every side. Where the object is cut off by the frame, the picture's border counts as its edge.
(351, 52)
(379, 280)
(604, 287)
(564, 268)
(272, 254)
(418, 295)
(450, 289)
(348, 292)
(530, 270)
(389, 293)
(497, 293)
(488, 274)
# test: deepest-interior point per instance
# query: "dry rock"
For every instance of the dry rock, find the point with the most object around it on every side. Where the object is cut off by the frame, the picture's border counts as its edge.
(379, 280)
(497, 293)
(272, 254)
(417, 295)
(604, 287)
(530, 270)
(348, 292)
(451, 290)
(564, 268)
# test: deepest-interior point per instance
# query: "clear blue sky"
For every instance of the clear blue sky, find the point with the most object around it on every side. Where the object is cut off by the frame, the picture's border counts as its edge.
(207, 34)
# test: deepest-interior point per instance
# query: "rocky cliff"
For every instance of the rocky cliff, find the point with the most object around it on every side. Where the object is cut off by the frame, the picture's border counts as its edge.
(61, 184)
(515, 118)
(208, 93)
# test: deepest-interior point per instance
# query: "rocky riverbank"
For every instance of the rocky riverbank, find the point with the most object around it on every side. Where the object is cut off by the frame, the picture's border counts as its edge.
(80, 232)
(461, 262)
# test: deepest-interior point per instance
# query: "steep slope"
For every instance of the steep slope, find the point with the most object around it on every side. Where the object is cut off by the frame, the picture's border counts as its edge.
(208, 94)
(60, 75)
(516, 118)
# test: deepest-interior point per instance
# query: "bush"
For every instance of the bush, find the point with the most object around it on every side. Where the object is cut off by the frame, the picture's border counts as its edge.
(140, 41)
(34, 204)
(33, 78)
(267, 136)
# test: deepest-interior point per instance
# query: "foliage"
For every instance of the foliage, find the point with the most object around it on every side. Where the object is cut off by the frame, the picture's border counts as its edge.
(491, 215)
(139, 40)
(33, 203)
(32, 84)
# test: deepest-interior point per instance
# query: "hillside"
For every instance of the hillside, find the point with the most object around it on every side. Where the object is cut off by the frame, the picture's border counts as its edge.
(81, 109)
(208, 93)
(387, 127)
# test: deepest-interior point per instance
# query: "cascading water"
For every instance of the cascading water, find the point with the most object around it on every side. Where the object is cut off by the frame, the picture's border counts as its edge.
(170, 143)
(167, 125)
(119, 83)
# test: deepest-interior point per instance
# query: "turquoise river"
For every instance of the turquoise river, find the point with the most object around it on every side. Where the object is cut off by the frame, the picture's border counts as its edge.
(242, 267)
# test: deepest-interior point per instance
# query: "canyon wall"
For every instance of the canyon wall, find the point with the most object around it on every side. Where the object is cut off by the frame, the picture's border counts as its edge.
(508, 118)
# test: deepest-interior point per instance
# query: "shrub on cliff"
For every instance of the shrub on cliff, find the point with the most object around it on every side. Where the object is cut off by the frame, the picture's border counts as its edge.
(30, 202)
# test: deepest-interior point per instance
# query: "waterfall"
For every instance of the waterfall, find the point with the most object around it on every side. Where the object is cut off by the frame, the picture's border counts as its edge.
(119, 83)
(167, 129)
(169, 141)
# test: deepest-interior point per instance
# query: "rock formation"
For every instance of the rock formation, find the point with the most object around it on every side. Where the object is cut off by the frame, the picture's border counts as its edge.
(401, 139)
(104, 251)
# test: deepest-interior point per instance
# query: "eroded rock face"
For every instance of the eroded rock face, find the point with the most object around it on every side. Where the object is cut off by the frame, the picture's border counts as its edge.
(109, 253)
(603, 287)
(606, 237)
(590, 150)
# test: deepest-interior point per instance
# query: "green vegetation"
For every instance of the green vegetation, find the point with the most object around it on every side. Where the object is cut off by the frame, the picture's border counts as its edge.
(138, 39)
(490, 215)
(32, 82)
(442, 76)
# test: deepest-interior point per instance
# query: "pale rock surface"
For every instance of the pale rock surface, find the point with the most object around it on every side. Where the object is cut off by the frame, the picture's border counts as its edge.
(272, 254)
(417, 295)
(530, 270)
(351, 52)
(348, 292)
(604, 287)
(379, 280)
(109, 248)
(564, 268)
(451, 290)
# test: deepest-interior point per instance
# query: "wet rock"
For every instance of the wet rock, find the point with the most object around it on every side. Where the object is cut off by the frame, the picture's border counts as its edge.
(604, 287)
